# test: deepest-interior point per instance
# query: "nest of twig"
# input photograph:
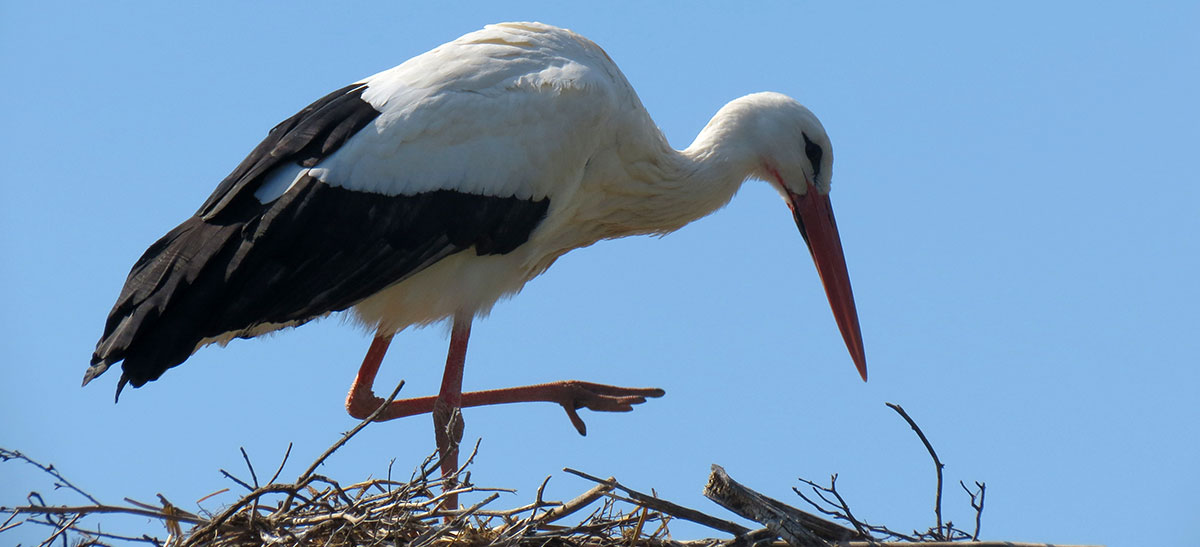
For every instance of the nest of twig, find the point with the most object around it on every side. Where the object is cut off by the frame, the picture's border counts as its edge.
(318, 510)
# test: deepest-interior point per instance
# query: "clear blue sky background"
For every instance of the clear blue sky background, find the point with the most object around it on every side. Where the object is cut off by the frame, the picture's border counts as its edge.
(1015, 185)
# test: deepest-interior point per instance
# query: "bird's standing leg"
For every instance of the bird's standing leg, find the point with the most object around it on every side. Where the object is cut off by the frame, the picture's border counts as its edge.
(447, 409)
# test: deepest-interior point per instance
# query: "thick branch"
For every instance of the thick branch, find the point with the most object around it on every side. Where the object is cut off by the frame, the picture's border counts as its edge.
(793, 525)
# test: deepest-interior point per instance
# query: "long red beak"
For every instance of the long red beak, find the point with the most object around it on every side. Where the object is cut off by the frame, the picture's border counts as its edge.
(814, 217)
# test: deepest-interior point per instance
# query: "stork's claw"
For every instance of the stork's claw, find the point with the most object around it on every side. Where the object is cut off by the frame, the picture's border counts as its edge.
(573, 395)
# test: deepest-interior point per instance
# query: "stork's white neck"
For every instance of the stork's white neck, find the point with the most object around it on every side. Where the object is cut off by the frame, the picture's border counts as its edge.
(646, 187)
(680, 186)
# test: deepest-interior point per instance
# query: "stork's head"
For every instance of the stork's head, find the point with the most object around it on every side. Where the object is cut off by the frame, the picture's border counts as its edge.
(793, 153)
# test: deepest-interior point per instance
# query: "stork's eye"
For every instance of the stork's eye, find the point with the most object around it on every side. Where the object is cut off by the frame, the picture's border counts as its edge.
(814, 153)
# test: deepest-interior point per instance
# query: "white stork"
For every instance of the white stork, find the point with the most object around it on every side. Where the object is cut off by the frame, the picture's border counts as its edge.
(431, 190)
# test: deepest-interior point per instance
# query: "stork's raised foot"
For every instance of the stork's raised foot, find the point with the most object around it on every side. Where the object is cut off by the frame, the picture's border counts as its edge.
(572, 395)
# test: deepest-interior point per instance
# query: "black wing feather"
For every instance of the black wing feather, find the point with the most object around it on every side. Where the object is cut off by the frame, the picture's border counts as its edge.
(239, 263)
(305, 139)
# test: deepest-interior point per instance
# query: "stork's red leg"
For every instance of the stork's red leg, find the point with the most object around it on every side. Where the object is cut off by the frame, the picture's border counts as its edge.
(445, 407)
(572, 395)
(447, 415)
(361, 401)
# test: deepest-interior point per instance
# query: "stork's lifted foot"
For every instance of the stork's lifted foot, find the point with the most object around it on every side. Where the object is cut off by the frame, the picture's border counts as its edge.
(571, 395)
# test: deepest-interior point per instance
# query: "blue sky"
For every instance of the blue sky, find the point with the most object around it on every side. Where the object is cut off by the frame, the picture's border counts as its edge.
(1016, 191)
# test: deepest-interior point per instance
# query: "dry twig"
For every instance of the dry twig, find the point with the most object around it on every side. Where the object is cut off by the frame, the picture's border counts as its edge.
(937, 463)
(62, 481)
